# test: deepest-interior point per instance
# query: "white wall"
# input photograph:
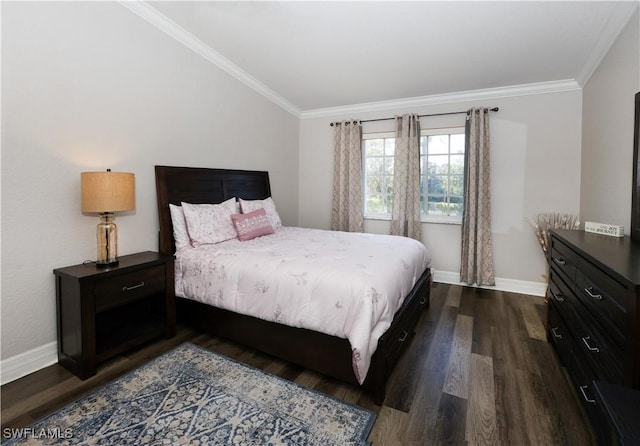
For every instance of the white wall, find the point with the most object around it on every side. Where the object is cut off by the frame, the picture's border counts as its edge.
(90, 86)
(535, 144)
(607, 131)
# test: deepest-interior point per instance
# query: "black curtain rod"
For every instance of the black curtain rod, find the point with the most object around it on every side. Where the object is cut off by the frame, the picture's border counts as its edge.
(494, 109)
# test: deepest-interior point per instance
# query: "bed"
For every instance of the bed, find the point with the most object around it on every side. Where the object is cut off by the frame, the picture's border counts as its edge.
(328, 354)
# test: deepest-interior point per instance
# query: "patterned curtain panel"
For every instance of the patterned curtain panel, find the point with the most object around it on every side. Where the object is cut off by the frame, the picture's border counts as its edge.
(476, 264)
(405, 212)
(346, 211)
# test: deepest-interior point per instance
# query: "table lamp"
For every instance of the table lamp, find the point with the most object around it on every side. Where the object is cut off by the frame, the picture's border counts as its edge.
(106, 193)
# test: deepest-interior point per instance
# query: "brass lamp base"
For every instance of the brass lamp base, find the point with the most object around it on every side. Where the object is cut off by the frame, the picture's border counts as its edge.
(107, 238)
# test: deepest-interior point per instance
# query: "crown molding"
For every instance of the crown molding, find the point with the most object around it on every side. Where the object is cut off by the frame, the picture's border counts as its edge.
(621, 15)
(438, 99)
(172, 29)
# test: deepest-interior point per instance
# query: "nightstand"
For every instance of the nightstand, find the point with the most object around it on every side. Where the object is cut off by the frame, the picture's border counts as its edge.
(104, 312)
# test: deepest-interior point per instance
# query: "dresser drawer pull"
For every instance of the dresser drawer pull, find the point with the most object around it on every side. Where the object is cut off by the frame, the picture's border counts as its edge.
(129, 288)
(560, 261)
(589, 291)
(591, 349)
(423, 300)
(404, 336)
(584, 395)
(557, 297)
(555, 334)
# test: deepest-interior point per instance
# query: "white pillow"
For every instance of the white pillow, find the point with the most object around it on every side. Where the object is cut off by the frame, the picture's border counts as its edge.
(210, 223)
(180, 234)
(267, 204)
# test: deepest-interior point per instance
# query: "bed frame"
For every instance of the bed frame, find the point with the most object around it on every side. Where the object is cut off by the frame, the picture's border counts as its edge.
(323, 353)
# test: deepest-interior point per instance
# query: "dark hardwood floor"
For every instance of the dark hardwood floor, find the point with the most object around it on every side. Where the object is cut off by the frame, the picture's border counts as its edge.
(478, 372)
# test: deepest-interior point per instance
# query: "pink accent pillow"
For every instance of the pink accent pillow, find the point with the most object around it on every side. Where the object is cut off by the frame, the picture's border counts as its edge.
(252, 225)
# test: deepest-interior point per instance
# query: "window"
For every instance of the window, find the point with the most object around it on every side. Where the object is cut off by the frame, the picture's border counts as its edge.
(378, 151)
(441, 174)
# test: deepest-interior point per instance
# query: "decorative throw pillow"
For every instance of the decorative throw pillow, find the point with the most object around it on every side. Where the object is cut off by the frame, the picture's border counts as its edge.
(268, 205)
(253, 224)
(180, 234)
(210, 223)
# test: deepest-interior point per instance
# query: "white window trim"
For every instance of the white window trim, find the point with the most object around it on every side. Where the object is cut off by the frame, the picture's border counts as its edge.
(372, 135)
(441, 219)
(434, 219)
(378, 135)
(442, 131)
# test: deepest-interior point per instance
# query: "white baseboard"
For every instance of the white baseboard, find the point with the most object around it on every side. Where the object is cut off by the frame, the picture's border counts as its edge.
(509, 285)
(28, 362)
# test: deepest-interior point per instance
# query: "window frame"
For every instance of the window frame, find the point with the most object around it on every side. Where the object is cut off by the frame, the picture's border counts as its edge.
(431, 218)
(424, 218)
(372, 215)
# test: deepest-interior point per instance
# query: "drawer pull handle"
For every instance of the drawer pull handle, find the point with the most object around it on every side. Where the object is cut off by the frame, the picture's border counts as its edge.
(557, 297)
(403, 337)
(129, 288)
(423, 300)
(589, 291)
(555, 334)
(591, 349)
(560, 261)
(584, 395)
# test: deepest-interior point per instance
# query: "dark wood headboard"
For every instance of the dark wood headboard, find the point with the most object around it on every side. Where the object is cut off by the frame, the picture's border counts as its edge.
(201, 185)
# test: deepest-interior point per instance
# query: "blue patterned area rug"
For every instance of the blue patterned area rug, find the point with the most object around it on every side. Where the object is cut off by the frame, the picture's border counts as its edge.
(191, 396)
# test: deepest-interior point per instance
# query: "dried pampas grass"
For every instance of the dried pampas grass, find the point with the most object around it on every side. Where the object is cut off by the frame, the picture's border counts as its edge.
(544, 222)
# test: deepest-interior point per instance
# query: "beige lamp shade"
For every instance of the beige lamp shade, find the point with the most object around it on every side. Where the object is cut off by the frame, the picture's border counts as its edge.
(107, 191)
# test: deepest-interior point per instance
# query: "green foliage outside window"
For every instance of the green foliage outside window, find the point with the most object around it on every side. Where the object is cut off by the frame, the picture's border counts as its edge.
(442, 174)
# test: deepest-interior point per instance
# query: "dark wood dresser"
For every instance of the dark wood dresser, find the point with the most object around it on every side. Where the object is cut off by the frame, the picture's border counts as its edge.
(594, 314)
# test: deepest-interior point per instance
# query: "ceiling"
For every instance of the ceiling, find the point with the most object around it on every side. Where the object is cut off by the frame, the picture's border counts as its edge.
(319, 55)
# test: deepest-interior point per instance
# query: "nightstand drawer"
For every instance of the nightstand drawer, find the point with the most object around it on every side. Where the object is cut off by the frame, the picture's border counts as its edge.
(129, 287)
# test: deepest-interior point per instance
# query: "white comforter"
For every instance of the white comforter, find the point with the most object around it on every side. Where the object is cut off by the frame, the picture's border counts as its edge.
(343, 284)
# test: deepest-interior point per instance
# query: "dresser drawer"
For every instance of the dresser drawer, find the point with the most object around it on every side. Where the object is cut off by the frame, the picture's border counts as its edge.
(558, 334)
(583, 382)
(129, 287)
(563, 259)
(564, 300)
(573, 356)
(566, 311)
(557, 289)
(605, 299)
(605, 357)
